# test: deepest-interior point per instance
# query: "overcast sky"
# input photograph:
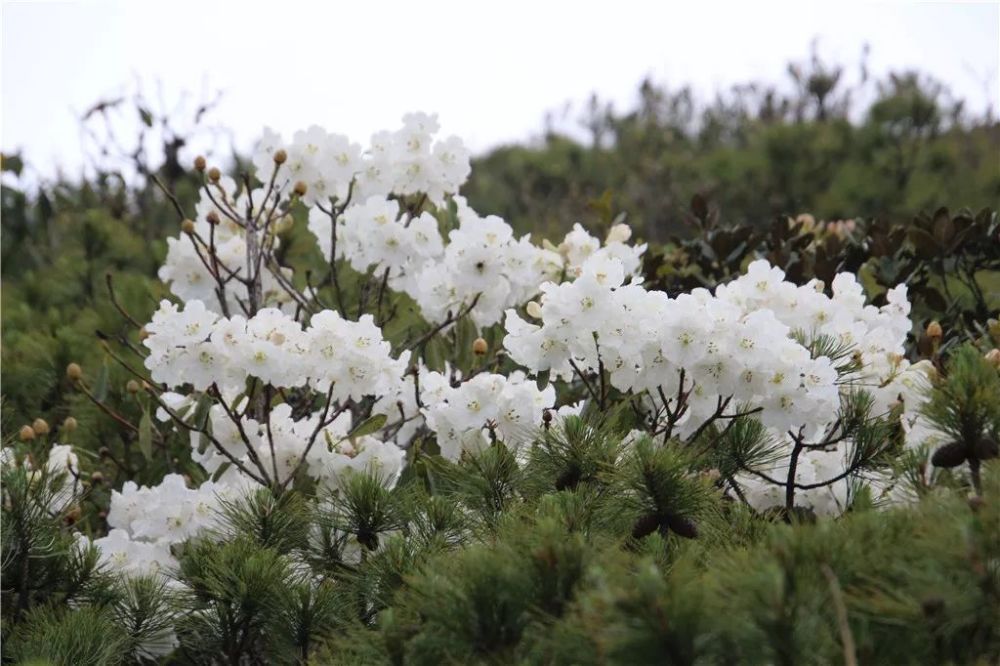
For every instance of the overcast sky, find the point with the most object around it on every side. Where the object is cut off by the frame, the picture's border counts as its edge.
(490, 69)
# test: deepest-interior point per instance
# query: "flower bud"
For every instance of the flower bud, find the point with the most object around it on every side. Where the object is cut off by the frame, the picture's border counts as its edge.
(26, 433)
(132, 386)
(547, 416)
(711, 475)
(214, 174)
(199, 163)
(97, 478)
(479, 347)
(40, 426)
(993, 326)
(187, 226)
(534, 309)
(620, 233)
(280, 156)
(993, 357)
(212, 217)
(70, 424)
(104, 452)
(73, 514)
(143, 333)
(74, 372)
(807, 221)
(934, 331)
(300, 189)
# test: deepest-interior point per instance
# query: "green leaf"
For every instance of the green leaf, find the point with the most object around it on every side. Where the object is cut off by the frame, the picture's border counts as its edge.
(543, 379)
(602, 206)
(934, 299)
(923, 242)
(204, 441)
(101, 387)
(146, 117)
(222, 470)
(200, 415)
(369, 425)
(146, 435)
(944, 228)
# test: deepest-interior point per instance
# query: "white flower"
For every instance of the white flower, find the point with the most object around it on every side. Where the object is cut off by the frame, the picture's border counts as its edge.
(125, 555)
(510, 407)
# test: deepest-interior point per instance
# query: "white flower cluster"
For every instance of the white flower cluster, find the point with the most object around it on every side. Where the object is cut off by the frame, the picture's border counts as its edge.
(578, 246)
(188, 266)
(198, 347)
(146, 521)
(482, 259)
(407, 161)
(481, 262)
(906, 386)
(166, 513)
(62, 462)
(743, 347)
(372, 235)
(739, 349)
(327, 454)
(466, 417)
(737, 342)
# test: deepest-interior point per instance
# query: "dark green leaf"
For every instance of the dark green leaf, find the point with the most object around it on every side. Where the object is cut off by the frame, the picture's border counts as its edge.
(923, 242)
(101, 385)
(369, 425)
(146, 435)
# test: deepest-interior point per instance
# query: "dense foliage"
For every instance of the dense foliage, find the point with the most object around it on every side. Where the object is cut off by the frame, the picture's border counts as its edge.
(355, 421)
(492, 565)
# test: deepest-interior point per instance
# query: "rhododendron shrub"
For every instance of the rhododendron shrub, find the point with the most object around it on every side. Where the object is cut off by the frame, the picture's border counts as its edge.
(282, 379)
(277, 384)
(434, 340)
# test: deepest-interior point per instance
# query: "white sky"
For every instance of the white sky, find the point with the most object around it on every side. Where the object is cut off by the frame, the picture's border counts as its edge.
(490, 69)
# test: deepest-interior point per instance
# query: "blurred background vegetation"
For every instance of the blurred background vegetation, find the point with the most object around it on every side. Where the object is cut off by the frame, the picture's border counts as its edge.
(757, 151)
(709, 183)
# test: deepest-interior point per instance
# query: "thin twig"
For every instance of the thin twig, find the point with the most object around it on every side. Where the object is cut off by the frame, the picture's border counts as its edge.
(118, 306)
(449, 320)
(215, 442)
(170, 195)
